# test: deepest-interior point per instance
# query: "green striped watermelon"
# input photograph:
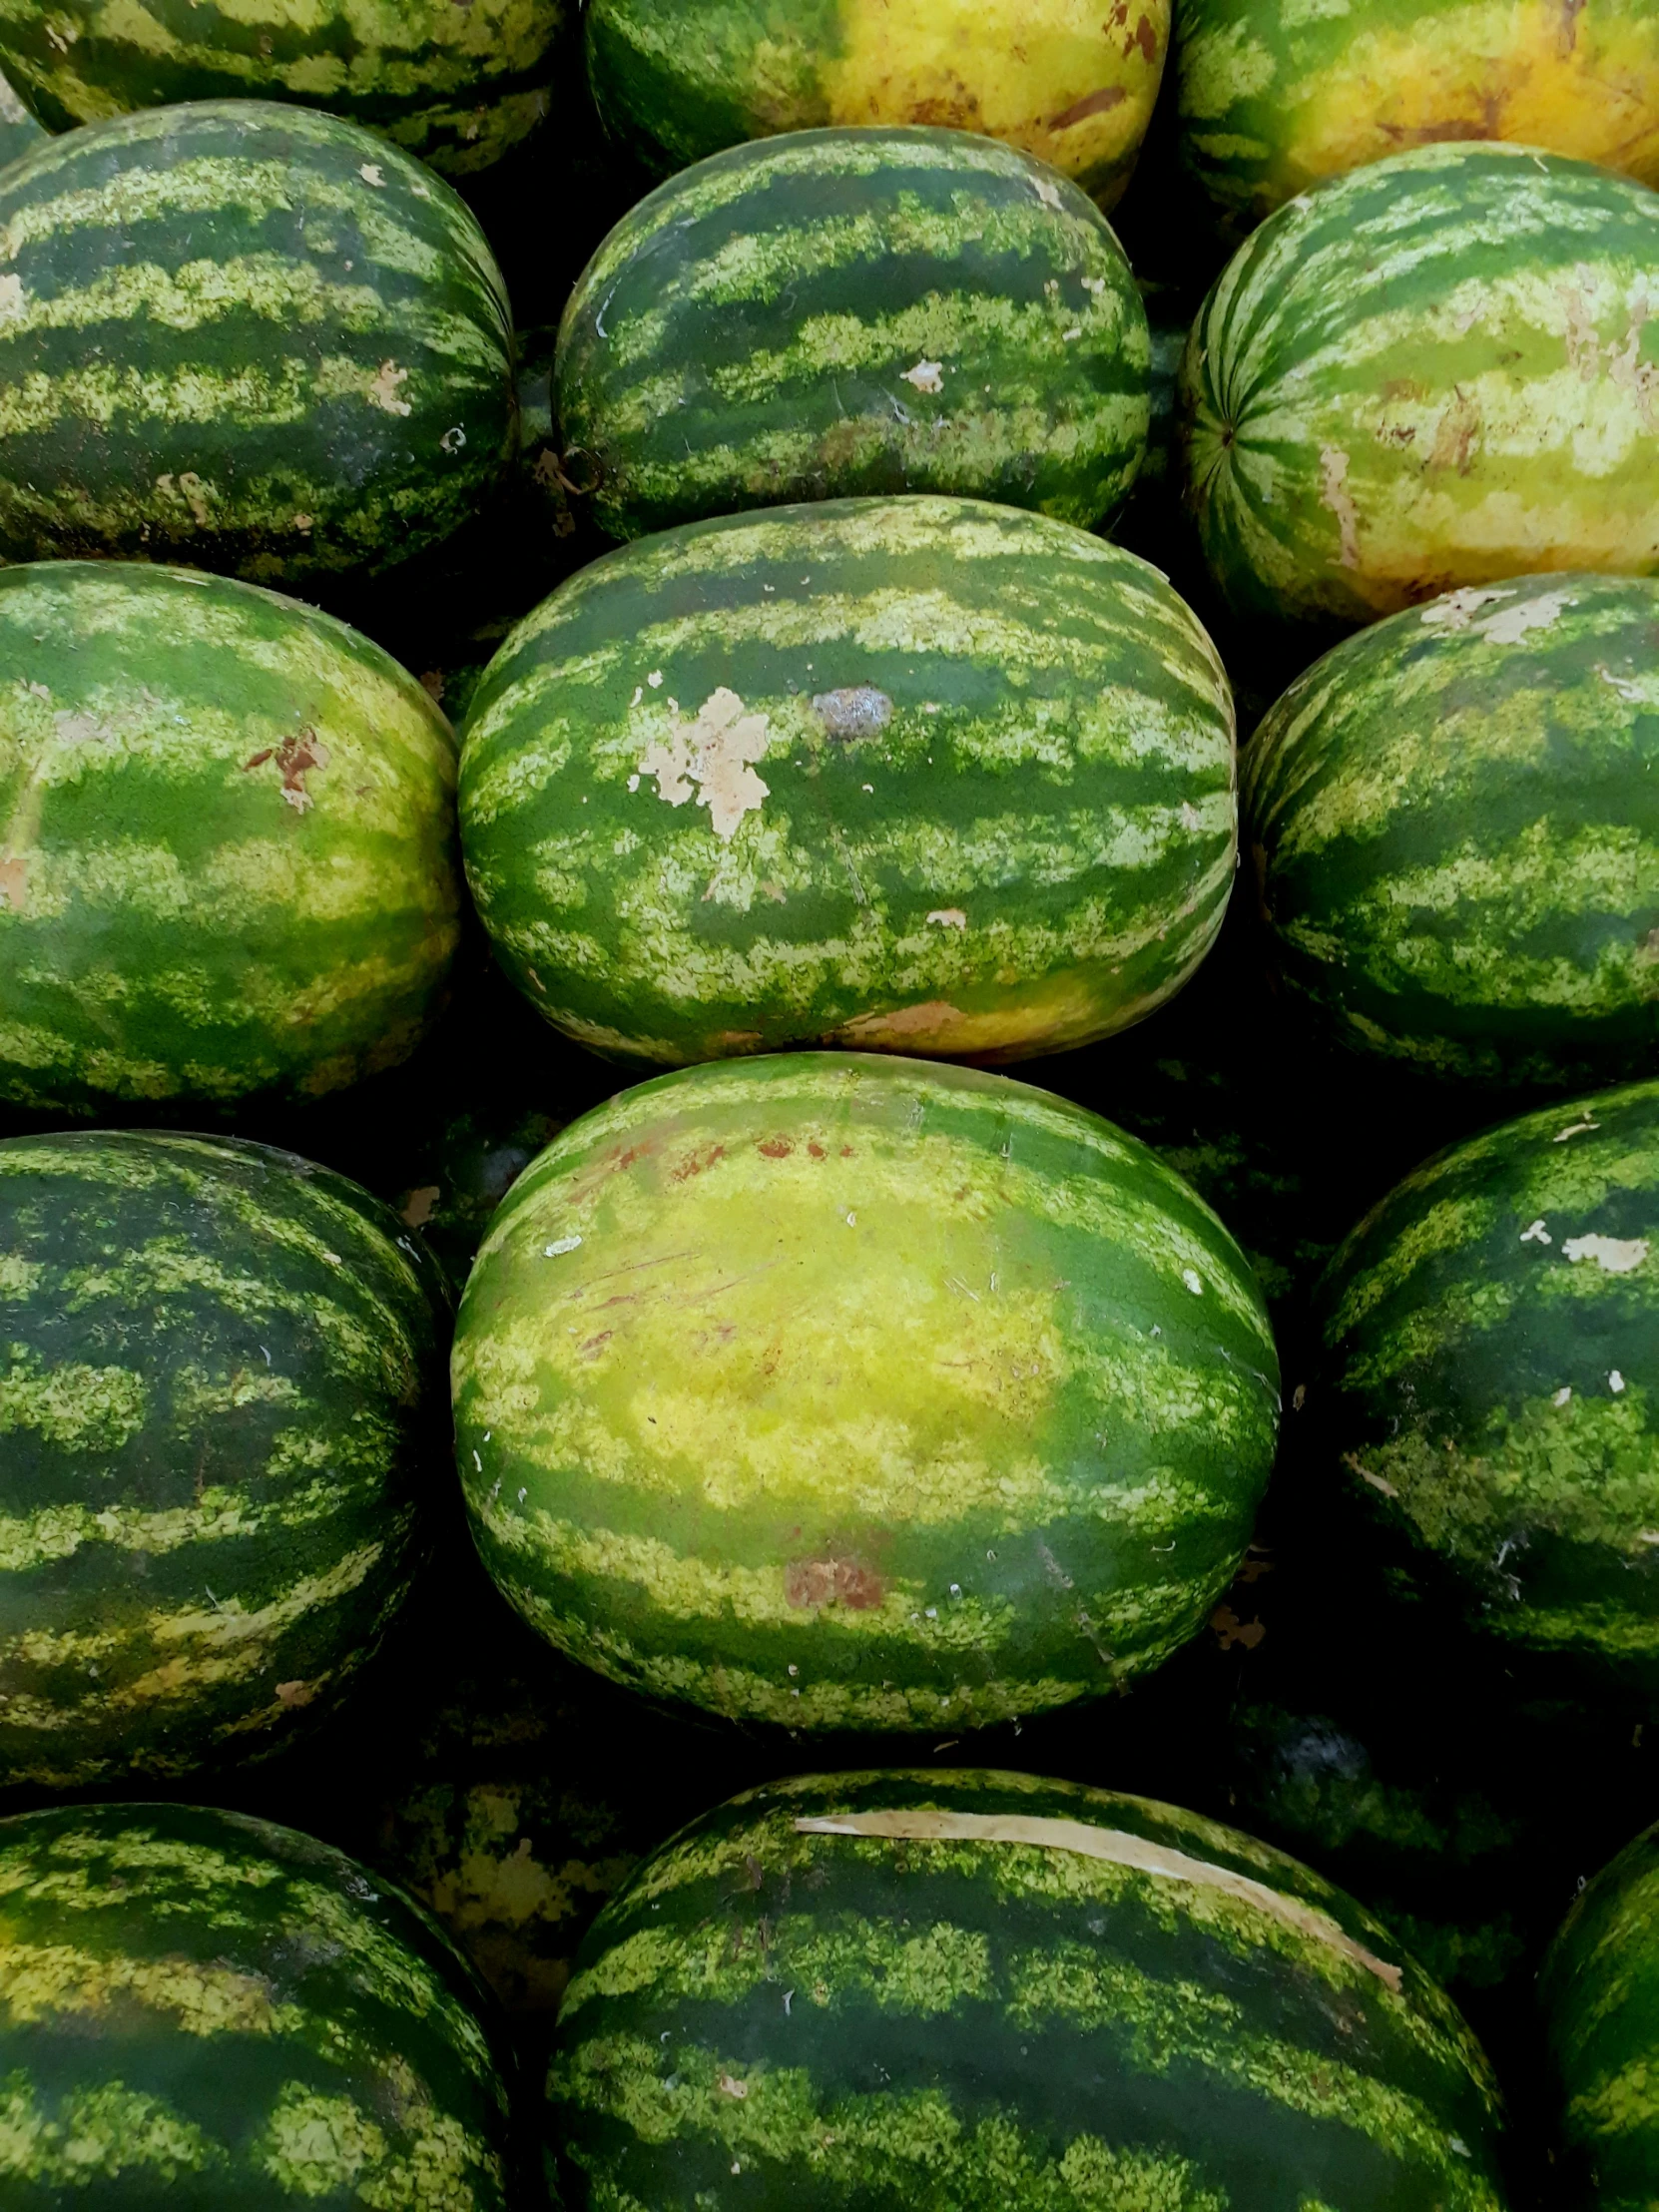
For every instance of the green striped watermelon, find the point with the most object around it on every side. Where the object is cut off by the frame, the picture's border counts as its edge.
(889, 1396)
(1486, 1393)
(216, 1419)
(457, 82)
(914, 1990)
(226, 843)
(19, 132)
(1600, 1999)
(1454, 819)
(1276, 94)
(845, 311)
(200, 2011)
(1435, 372)
(963, 781)
(1072, 83)
(244, 336)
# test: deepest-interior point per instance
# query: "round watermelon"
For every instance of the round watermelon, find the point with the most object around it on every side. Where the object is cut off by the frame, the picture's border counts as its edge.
(1438, 371)
(1454, 824)
(855, 1392)
(1072, 83)
(244, 336)
(198, 2009)
(1600, 2000)
(1485, 1394)
(884, 1990)
(1274, 94)
(855, 311)
(226, 846)
(456, 82)
(217, 1422)
(912, 775)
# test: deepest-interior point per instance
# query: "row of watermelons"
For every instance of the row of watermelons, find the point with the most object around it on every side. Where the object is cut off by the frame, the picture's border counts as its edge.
(820, 1397)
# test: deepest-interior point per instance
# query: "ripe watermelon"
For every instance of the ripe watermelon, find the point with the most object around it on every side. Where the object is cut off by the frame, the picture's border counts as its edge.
(456, 82)
(943, 1990)
(1600, 1997)
(217, 1413)
(198, 2009)
(245, 336)
(890, 1395)
(1487, 1395)
(1453, 818)
(1436, 371)
(964, 782)
(226, 843)
(847, 312)
(1276, 94)
(1071, 83)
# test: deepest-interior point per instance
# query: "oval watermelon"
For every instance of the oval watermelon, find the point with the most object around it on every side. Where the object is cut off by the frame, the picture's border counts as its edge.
(962, 782)
(1454, 820)
(858, 1392)
(248, 338)
(1487, 1395)
(1599, 1990)
(457, 82)
(1436, 371)
(884, 1990)
(855, 311)
(226, 843)
(215, 1405)
(198, 2009)
(1275, 95)
(1072, 83)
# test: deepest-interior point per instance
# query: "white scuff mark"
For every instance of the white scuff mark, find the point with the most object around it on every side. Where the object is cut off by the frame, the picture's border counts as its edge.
(655, 679)
(639, 693)
(851, 1221)
(1615, 1382)
(1623, 685)
(634, 781)
(13, 301)
(76, 729)
(477, 1463)
(948, 917)
(36, 691)
(1577, 1130)
(1613, 1255)
(926, 376)
(1514, 622)
(1190, 1277)
(1459, 608)
(1376, 1482)
(564, 1244)
(453, 439)
(1335, 494)
(381, 389)
(870, 787)
(714, 751)
(1563, 1396)
(372, 174)
(1049, 194)
(733, 2088)
(789, 1999)
(1076, 332)
(1536, 1232)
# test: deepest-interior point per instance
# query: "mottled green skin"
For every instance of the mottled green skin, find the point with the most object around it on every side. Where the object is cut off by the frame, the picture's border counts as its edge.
(859, 1392)
(226, 843)
(1454, 824)
(854, 311)
(1487, 1394)
(198, 2009)
(19, 132)
(456, 82)
(245, 336)
(1600, 1991)
(217, 1413)
(1432, 373)
(769, 2019)
(986, 808)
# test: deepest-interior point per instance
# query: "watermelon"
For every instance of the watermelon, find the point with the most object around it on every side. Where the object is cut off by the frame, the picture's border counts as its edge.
(1275, 94)
(217, 1406)
(1071, 83)
(245, 336)
(452, 81)
(18, 128)
(1453, 818)
(844, 312)
(198, 2009)
(1432, 373)
(984, 759)
(856, 1423)
(227, 847)
(1600, 2000)
(914, 1990)
(1484, 1398)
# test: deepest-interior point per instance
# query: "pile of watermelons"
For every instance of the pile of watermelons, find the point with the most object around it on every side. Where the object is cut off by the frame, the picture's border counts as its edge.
(625, 1579)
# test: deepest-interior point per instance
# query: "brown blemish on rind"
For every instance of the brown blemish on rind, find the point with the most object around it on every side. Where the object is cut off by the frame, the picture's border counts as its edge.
(855, 711)
(775, 1147)
(848, 1582)
(295, 758)
(1094, 103)
(1115, 1846)
(14, 883)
